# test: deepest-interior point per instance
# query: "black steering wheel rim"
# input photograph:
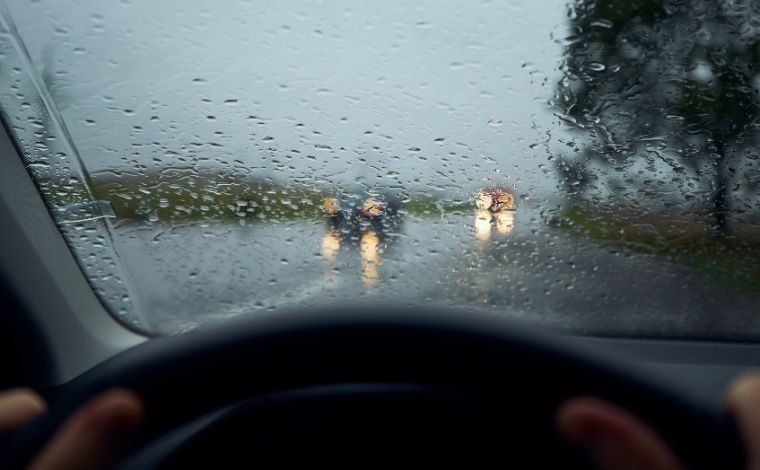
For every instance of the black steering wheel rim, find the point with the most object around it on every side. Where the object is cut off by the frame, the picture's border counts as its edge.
(401, 345)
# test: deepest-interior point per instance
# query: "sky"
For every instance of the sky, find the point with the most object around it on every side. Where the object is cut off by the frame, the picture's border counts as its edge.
(429, 95)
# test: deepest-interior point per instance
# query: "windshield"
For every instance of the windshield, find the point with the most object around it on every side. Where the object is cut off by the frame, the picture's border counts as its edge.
(585, 165)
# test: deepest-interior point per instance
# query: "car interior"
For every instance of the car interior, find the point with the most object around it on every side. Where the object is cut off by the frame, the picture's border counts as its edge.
(387, 234)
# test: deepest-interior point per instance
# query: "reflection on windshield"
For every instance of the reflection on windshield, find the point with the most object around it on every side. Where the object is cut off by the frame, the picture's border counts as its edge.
(369, 251)
(505, 221)
(330, 249)
(483, 224)
(369, 248)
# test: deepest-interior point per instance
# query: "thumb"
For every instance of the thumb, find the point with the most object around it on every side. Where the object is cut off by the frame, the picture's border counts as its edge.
(743, 400)
(95, 435)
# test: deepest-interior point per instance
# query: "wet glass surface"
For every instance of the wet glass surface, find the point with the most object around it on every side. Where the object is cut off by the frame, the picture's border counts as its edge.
(589, 166)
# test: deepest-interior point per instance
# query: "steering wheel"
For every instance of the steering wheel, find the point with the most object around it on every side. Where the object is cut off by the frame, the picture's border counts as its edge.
(368, 385)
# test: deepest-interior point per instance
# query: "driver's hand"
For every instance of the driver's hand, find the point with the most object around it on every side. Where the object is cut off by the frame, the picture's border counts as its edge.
(92, 438)
(619, 440)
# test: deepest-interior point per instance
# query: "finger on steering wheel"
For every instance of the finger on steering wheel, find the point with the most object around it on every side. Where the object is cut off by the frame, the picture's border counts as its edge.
(616, 439)
(94, 436)
(18, 406)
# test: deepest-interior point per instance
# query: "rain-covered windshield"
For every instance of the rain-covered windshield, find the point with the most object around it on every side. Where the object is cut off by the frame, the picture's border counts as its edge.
(590, 165)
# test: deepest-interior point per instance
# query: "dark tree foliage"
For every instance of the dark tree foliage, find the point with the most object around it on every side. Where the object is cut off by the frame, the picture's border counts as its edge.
(675, 78)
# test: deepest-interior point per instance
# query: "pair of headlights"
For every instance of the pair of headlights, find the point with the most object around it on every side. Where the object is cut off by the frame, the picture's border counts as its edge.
(371, 207)
(492, 199)
(495, 200)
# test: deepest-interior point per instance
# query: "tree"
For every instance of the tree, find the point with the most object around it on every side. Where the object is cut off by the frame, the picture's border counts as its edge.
(681, 74)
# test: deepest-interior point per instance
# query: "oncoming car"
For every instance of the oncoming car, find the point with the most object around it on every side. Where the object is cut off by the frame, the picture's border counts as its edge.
(496, 199)
(495, 206)
(384, 233)
(359, 204)
(364, 216)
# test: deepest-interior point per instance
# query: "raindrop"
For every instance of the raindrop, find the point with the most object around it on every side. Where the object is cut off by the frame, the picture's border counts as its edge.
(602, 23)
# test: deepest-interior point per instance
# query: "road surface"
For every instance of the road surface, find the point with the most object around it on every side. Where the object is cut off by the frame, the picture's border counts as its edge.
(517, 266)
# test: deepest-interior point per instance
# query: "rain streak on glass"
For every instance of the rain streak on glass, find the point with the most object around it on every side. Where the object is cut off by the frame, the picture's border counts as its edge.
(586, 165)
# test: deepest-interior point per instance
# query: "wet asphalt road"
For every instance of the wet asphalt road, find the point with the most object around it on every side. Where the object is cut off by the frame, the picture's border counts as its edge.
(521, 268)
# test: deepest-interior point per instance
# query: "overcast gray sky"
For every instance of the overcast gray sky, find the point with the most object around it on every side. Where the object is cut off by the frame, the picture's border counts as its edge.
(359, 90)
